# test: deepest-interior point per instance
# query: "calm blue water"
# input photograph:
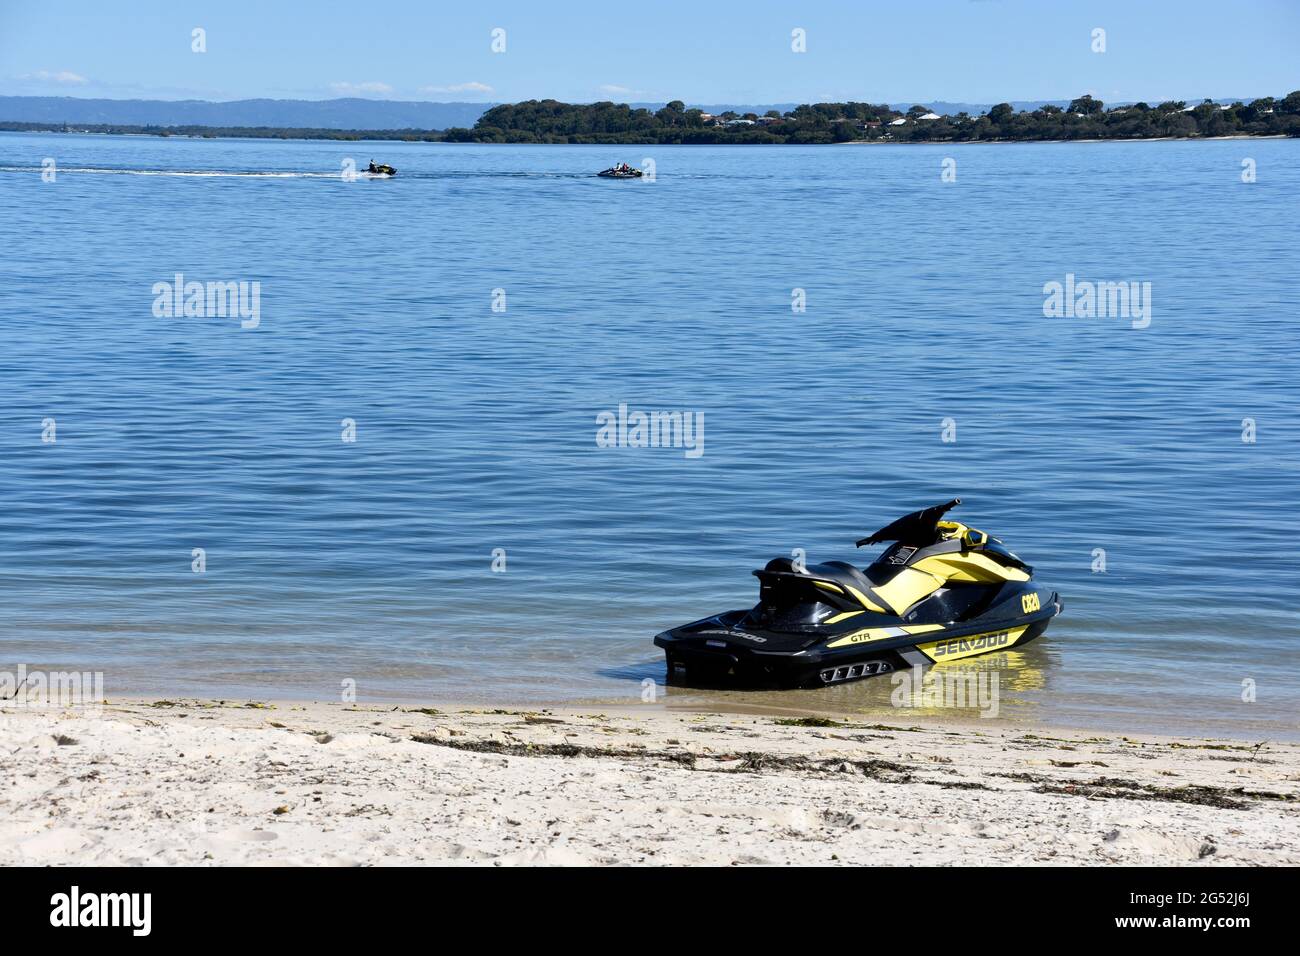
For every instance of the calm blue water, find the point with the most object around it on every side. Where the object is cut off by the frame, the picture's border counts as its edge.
(476, 429)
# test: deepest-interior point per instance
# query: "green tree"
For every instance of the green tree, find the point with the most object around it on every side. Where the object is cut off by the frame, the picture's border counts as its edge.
(1086, 105)
(672, 114)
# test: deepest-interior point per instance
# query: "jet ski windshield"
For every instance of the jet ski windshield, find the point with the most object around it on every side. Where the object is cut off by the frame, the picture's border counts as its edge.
(918, 529)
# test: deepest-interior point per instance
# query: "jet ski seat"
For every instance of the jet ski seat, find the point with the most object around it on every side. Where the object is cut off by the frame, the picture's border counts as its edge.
(843, 573)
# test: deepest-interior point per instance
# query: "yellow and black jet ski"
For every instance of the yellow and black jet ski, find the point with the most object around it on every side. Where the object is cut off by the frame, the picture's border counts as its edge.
(940, 592)
(381, 169)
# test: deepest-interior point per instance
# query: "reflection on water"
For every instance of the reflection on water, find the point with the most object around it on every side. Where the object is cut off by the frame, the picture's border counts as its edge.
(1004, 685)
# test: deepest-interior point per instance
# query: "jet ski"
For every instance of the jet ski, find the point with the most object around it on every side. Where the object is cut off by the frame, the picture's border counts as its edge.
(621, 171)
(940, 592)
(381, 169)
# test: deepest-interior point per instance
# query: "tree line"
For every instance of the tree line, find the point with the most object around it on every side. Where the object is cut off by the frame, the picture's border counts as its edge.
(550, 121)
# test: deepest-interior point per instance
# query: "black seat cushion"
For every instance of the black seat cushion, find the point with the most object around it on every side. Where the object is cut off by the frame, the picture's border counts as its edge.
(844, 573)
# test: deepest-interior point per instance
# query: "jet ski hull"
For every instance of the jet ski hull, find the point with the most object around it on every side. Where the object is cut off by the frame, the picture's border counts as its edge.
(614, 174)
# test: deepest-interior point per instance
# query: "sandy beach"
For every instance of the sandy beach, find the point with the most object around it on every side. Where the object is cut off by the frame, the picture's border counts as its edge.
(207, 782)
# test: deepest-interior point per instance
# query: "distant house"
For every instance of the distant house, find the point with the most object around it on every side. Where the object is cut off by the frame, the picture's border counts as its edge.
(898, 122)
(869, 124)
(740, 122)
(706, 117)
(929, 116)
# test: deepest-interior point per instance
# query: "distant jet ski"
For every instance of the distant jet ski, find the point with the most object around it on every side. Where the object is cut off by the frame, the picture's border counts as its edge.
(382, 169)
(621, 171)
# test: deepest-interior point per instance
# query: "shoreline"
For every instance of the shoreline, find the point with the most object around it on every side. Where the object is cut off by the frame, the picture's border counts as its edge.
(206, 782)
(1012, 711)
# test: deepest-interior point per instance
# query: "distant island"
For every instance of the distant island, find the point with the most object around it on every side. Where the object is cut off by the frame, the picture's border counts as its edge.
(236, 132)
(341, 113)
(550, 121)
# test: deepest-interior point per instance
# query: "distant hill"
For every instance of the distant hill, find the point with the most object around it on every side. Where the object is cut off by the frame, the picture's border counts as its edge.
(759, 108)
(316, 114)
(347, 114)
(945, 108)
(939, 106)
(942, 107)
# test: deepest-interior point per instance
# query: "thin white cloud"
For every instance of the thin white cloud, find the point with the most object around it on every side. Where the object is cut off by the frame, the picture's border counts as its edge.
(613, 89)
(61, 77)
(471, 87)
(369, 88)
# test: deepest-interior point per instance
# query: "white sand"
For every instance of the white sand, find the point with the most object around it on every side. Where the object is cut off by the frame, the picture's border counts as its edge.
(226, 783)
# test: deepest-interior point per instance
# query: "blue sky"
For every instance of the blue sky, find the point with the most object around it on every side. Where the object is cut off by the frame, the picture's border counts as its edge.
(723, 52)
